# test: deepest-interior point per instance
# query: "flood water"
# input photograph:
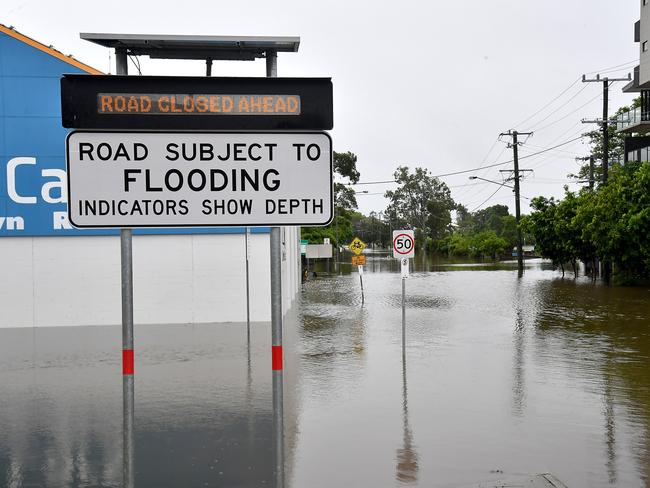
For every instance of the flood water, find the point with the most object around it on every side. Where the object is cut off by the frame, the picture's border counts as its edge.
(501, 376)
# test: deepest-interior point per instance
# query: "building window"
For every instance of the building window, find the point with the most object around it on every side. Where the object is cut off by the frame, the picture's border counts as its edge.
(644, 46)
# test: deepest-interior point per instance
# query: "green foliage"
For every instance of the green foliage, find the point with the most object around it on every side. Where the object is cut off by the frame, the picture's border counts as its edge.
(341, 230)
(345, 165)
(421, 202)
(611, 224)
(620, 223)
(372, 229)
(486, 233)
(486, 244)
(489, 244)
(541, 223)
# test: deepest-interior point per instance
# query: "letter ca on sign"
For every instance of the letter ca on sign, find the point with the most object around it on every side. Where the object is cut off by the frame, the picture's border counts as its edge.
(53, 183)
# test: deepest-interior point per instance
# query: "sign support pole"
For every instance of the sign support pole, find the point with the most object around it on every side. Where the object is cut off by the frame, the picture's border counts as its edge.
(361, 281)
(248, 294)
(403, 319)
(404, 249)
(276, 324)
(128, 386)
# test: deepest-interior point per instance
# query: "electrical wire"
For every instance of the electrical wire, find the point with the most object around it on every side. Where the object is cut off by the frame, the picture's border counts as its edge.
(570, 113)
(614, 68)
(610, 69)
(549, 103)
(584, 87)
(474, 169)
(485, 201)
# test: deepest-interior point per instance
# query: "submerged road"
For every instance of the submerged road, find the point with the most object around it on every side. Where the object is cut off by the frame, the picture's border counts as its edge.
(504, 378)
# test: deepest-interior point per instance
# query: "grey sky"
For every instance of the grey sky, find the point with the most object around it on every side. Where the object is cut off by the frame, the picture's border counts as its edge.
(420, 83)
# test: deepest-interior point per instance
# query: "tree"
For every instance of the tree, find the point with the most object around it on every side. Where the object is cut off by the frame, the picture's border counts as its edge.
(617, 221)
(345, 165)
(611, 224)
(421, 202)
(488, 244)
(464, 219)
(341, 229)
(542, 224)
(490, 218)
(371, 229)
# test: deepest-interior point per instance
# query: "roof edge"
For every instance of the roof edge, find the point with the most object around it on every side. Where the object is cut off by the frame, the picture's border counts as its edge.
(48, 50)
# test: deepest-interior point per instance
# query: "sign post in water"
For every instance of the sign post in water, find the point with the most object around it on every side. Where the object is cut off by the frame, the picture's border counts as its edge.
(357, 246)
(404, 249)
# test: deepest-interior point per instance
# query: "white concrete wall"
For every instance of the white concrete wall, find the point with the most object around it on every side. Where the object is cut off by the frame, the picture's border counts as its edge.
(178, 279)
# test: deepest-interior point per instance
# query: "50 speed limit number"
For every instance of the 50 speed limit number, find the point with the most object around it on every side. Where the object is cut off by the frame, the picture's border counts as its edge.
(403, 244)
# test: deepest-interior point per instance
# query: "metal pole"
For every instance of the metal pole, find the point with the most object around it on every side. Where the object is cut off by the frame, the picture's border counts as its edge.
(607, 265)
(208, 67)
(276, 324)
(338, 258)
(248, 293)
(605, 129)
(403, 319)
(520, 245)
(128, 387)
(361, 281)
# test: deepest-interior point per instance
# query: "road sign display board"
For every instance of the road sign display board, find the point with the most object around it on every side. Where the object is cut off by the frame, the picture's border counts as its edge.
(196, 103)
(358, 260)
(403, 244)
(357, 246)
(174, 179)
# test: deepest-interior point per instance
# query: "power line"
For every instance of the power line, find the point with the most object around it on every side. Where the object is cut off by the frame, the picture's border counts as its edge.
(511, 160)
(550, 103)
(482, 171)
(570, 113)
(485, 201)
(442, 175)
(618, 67)
(613, 68)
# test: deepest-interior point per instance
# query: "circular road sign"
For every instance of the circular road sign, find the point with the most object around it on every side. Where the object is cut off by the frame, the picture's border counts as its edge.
(403, 244)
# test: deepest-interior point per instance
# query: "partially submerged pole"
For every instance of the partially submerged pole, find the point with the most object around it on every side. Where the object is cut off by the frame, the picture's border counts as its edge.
(276, 325)
(128, 384)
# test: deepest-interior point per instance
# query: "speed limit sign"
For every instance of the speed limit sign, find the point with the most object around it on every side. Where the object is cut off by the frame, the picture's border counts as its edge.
(403, 244)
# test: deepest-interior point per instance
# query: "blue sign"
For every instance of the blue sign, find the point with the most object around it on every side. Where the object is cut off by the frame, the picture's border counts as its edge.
(32, 144)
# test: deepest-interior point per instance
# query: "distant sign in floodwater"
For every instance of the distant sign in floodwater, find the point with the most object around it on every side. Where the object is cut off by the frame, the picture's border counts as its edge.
(403, 244)
(357, 246)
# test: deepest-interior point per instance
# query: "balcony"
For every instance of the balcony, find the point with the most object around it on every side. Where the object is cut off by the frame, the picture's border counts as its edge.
(634, 121)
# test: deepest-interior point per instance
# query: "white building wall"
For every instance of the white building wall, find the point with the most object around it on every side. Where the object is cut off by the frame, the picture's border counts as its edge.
(178, 279)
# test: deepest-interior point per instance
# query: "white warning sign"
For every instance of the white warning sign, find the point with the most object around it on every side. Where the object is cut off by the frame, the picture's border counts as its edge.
(171, 179)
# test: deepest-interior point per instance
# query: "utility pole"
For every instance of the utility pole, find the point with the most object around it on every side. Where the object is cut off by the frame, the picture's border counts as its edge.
(591, 171)
(605, 120)
(607, 267)
(516, 176)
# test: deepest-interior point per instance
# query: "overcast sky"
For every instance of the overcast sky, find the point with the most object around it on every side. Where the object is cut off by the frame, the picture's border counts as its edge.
(416, 83)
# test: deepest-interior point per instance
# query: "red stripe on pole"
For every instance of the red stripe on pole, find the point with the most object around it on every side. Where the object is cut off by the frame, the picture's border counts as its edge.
(276, 358)
(127, 362)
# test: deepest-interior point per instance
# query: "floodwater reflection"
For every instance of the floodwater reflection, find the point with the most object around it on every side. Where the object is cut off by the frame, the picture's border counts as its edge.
(407, 456)
(503, 376)
(200, 418)
(506, 375)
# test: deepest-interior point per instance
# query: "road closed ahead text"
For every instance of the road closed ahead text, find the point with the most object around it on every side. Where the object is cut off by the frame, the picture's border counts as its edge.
(182, 179)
